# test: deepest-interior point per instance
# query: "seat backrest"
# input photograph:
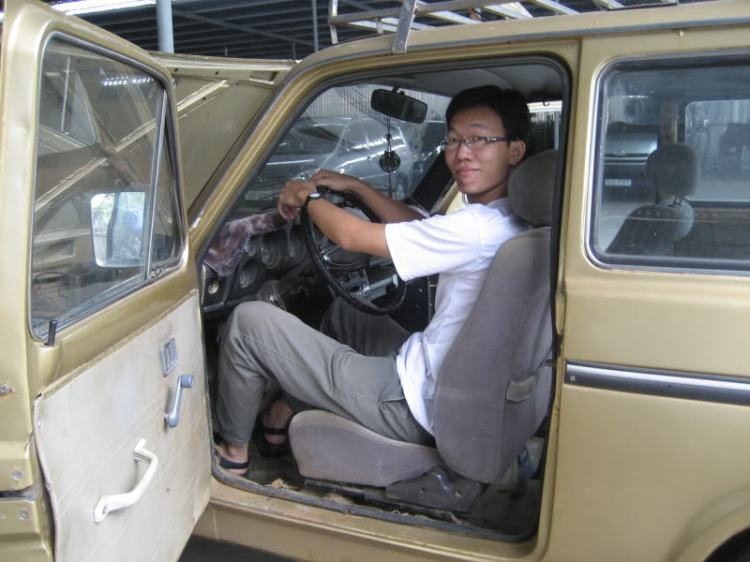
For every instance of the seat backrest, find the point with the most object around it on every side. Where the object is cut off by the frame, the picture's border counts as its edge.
(650, 230)
(494, 386)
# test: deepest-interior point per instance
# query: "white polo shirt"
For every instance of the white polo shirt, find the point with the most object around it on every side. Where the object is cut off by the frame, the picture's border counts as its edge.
(460, 247)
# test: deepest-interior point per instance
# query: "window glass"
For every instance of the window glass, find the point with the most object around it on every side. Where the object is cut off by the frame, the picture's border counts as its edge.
(63, 107)
(672, 174)
(339, 131)
(309, 139)
(97, 136)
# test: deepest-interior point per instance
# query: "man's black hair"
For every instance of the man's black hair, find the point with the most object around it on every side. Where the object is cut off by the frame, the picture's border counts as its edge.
(510, 105)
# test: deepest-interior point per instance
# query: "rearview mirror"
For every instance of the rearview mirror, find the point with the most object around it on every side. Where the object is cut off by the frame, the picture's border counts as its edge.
(398, 106)
(118, 222)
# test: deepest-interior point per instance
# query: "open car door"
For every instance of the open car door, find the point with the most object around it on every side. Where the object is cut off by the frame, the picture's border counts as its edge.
(102, 338)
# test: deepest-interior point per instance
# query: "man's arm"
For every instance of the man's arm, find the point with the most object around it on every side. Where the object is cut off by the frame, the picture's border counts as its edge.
(345, 229)
(386, 209)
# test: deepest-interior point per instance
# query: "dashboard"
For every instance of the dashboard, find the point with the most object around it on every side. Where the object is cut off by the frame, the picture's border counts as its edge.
(261, 256)
(258, 257)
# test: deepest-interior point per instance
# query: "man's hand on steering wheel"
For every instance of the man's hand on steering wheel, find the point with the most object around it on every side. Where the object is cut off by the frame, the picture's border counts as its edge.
(293, 196)
(337, 182)
(365, 279)
(347, 257)
(295, 192)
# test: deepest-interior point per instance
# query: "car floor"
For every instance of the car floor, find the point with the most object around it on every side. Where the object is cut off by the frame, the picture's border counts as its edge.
(509, 513)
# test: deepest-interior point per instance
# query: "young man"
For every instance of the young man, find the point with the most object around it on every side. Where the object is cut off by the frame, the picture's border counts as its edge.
(371, 370)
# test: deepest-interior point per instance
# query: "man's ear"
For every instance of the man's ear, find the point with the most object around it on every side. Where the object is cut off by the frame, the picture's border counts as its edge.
(517, 151)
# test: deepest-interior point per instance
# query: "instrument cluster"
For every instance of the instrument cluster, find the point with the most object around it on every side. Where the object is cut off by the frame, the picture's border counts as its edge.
(266, 260)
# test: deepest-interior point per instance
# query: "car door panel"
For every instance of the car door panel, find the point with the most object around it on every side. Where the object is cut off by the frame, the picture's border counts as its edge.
(117, 400)
(652, 343)
(85, 395)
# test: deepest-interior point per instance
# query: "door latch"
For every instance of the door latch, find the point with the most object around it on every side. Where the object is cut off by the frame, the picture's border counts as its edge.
(168, 355)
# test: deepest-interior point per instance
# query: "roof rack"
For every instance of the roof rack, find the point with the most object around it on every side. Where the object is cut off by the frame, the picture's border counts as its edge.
(400, 20)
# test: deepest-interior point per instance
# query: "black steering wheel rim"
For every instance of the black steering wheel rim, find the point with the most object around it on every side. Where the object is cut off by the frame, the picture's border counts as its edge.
(384, 304)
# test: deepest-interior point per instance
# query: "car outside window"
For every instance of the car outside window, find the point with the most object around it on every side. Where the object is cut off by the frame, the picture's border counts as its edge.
(339, 131)
(309, 139)
(106, 216)
(671, 187)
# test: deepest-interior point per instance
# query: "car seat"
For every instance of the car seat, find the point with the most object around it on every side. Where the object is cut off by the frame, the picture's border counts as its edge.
(673, 170)
(493, 390)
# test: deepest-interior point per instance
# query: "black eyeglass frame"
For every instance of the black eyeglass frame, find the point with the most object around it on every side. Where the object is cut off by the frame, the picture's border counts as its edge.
(469, 141)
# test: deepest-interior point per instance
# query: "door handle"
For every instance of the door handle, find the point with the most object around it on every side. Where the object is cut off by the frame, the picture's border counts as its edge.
(173, 415)
(108, 504)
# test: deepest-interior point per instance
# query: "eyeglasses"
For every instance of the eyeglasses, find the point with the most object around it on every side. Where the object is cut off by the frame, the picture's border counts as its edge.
(473, 143)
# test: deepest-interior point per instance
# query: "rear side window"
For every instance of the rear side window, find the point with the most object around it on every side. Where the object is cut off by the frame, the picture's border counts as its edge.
(106, 214)
(672, 168)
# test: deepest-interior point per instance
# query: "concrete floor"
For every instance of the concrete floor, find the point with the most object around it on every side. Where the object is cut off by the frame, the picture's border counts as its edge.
(204, 550)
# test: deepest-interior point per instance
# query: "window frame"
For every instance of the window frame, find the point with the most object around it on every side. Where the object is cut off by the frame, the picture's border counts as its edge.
(165, 138)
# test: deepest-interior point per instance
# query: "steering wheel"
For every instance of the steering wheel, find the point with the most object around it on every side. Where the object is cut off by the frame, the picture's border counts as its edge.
(368, 283)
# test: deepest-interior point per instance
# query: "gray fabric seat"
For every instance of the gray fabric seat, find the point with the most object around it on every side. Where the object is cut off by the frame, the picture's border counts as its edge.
(494, 387)
(651, 230)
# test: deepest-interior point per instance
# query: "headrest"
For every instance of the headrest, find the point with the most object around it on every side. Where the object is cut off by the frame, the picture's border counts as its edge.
(531, 186)
(673, 169)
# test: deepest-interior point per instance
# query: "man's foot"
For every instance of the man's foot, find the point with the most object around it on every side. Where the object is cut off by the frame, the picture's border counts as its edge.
(270, 433)
(234, 458)
(275, 421)
(266, 448)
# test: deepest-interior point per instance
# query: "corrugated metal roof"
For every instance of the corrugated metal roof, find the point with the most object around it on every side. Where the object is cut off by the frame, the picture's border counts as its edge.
(273, 28)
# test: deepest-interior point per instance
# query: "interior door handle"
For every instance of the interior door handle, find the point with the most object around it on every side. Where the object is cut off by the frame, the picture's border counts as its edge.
(173, 415)
(108, 504)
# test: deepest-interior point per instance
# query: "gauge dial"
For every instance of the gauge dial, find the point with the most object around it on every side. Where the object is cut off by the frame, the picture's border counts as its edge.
(252, 245)
(248, 274)
(295, 247)
(273, 249)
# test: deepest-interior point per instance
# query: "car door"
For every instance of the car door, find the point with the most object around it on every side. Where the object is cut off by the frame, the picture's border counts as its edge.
(654, 304)
(105, 429)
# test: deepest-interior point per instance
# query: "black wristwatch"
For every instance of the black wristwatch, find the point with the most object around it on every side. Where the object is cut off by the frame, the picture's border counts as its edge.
(312, 197)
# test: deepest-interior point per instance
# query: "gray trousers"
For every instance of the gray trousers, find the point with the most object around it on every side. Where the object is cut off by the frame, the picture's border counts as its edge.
(350, 372)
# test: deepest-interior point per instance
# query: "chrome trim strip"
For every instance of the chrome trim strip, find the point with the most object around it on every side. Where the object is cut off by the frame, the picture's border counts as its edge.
(691, 386)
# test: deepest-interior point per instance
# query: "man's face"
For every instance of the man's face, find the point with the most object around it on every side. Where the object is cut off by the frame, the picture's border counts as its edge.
(481, 172)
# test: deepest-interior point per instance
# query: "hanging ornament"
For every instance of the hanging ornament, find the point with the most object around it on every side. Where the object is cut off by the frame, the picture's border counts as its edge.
(389, 161)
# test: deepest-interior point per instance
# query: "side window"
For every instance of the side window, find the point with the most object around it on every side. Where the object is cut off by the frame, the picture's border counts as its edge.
(672, 173)
(105, 204)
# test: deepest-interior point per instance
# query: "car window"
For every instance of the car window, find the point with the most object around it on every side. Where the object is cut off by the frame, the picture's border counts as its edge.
(339, 131)
(672, 173)
(105, 211)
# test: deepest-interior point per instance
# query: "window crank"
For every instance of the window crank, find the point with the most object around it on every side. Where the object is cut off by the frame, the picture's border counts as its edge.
(172, 417)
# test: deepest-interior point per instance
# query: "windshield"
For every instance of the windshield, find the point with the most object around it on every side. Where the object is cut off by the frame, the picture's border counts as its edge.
(339, 131)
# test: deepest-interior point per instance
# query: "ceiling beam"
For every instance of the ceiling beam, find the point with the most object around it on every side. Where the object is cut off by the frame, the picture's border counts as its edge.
(245, 28)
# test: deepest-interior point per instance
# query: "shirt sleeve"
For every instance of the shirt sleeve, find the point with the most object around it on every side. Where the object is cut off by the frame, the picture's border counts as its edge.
(439, 244)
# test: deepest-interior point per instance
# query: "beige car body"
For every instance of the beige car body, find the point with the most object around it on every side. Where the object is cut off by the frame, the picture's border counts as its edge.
(681, 488)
